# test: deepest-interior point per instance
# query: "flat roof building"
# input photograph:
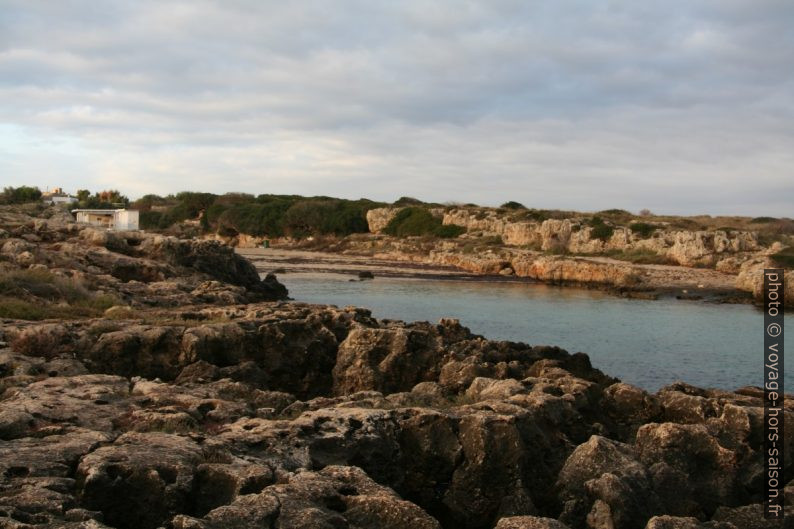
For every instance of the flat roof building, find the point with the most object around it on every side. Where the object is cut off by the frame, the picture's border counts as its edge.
(114, 219)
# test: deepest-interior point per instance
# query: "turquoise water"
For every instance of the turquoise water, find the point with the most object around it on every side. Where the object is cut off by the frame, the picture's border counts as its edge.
(646, 343)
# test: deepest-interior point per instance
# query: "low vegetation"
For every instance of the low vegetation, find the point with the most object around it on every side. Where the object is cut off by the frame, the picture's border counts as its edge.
(784, 258)
(601, 230)
(643, 229)
(39, 294)
(416, 221)
(639, 256)
(263, 215)
(20, 195)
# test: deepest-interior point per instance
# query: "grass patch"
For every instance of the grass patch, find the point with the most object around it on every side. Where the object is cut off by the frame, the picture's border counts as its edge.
(639, 256)
(39, 295)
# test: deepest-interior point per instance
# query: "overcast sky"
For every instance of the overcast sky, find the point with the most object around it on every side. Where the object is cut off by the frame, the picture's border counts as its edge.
(676, 106)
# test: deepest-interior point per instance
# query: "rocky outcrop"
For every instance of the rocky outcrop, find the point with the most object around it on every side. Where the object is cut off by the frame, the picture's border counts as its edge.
(298, 416)
(379, 218)
(751, 279)
(138, 268)
(574, 235)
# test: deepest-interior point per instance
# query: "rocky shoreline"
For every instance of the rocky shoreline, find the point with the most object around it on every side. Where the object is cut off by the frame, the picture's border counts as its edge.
(720, 265)
(198, 403)
(658, 281)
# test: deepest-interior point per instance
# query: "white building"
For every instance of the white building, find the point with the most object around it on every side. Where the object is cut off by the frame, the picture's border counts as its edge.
(58, 199)
(114, 219)
(57, 196)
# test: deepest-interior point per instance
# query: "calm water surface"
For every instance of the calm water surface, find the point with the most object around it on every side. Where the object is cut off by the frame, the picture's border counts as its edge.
(646, 343)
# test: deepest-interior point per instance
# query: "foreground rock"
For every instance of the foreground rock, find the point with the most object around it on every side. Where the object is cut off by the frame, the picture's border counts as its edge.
(139, 269)
(295, 415)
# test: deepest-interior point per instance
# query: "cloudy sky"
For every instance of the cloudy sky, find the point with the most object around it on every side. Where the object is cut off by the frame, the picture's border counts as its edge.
(678, 106)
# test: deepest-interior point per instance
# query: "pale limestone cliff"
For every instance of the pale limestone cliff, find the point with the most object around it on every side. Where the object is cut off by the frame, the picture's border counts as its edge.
(751, 279)
(687, 248)
(379, 218)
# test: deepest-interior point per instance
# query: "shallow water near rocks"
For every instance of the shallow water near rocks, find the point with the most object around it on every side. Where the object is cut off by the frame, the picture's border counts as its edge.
(645, 343)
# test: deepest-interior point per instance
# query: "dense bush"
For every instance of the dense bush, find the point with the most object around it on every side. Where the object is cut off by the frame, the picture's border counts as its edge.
(145, 203)
(643, 229)
(407, 201)
(614, 212)
(415, 221)
(150, 220)
(763, 220)
(327, 217)
(513, 205)
(20, 195)
(412, 221)
(449, 231)
(254, 218)
(600, 230)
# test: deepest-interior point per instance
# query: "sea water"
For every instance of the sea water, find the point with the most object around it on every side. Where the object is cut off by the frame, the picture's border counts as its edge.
(648, 343)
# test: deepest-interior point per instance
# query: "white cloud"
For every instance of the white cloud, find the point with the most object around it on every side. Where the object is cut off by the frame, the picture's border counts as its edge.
(684, 107)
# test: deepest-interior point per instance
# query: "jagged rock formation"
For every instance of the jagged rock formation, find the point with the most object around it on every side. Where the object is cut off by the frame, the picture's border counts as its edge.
(686, 248)
(141, 269)
(291, 415)
(735, 257)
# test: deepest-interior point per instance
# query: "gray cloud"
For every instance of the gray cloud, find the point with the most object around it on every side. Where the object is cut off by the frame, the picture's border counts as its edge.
(682, 107)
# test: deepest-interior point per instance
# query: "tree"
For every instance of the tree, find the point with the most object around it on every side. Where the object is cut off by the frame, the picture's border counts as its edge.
(20, 195)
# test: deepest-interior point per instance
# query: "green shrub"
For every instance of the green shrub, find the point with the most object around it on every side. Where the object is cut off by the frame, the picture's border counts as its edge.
(600, 230)
(763, 220)
(513, 205)
(449, 231)
(21, 195)
(615, 212)
(145, 203)
(407, 201)
(411, 221)
(150, 220)
(642, 229)
(416, 221)
(784, 258)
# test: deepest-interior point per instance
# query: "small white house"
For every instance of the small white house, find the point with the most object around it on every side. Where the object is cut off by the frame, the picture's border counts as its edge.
(58, 199)
(57, 196)
(114, 219)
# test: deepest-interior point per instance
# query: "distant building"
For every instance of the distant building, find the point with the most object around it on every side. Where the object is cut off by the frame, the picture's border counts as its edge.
(57, 196)
(114, 219)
